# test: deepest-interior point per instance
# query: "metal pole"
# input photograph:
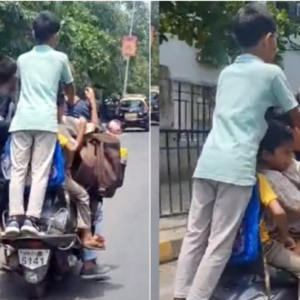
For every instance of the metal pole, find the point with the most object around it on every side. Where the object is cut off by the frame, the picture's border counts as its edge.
(128, 58)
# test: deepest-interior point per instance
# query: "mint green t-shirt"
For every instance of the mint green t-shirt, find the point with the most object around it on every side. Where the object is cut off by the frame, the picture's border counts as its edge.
(40, 71)
(246, 89)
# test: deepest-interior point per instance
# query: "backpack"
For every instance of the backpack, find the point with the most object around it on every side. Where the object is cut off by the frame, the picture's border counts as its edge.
(247, 243)
(100, 169)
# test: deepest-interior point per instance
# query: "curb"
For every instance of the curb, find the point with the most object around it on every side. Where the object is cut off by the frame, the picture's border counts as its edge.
(169, 250)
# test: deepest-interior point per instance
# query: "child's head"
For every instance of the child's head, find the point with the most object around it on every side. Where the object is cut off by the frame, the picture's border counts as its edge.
(8, 75)
(285, 118)
(255, 30)
(45, 28)
(276, 148)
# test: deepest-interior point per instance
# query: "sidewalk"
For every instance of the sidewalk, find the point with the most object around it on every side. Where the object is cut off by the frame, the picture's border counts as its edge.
(171, 233)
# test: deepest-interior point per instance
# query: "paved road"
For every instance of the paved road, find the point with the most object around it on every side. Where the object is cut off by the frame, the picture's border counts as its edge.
(126, 228)
(167, 274)
(166, 280)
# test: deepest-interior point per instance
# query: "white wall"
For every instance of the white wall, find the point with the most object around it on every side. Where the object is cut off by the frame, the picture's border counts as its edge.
(292, 68)
(181, 60)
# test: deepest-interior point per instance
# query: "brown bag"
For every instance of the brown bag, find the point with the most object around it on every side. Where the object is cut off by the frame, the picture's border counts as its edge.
(100, 170)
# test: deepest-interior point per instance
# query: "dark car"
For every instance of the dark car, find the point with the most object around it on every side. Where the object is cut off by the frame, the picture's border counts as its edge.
(133, 112)
(154, 105)
(110, 107)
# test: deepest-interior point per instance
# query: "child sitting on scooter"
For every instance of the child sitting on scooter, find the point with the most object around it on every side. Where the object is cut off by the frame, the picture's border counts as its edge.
(275, 154)
(76, 191)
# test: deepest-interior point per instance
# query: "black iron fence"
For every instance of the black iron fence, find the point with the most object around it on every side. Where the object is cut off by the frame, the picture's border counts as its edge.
(180, 147)
(193, 105)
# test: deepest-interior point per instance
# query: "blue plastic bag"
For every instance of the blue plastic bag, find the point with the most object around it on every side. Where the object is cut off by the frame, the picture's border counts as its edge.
(247, 244)
(57, 173)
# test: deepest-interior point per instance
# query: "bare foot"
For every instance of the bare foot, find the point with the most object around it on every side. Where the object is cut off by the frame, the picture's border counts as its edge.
(90, 242)
(99, 239)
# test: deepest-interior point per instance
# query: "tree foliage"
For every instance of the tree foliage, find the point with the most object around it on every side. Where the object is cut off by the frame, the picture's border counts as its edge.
(91, 36)
(155, 44)
(206, 26)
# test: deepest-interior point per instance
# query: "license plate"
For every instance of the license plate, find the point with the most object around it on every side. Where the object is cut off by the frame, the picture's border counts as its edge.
(33, 259)
(131, 117)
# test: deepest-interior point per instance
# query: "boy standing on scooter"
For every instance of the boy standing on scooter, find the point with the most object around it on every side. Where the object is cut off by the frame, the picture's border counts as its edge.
(34, 126)
(226, 170)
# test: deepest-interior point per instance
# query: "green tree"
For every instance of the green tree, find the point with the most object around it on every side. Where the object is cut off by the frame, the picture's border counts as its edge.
(155, 44)
(206, 26)
(91, 36)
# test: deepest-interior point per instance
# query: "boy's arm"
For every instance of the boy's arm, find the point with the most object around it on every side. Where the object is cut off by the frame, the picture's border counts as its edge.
(285, 98)
(295, 117)
(90, 94)
(68, 80)
(70, 92)
(280, 218)
(69, 148)
(67, 144)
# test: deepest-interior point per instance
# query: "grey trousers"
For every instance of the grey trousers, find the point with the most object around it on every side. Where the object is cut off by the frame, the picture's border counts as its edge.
(80, 195)
(280, 257)
(36, 148)
(215, 215)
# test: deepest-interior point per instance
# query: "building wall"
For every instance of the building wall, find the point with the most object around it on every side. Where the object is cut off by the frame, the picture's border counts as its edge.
(291, 65)
(181, 60)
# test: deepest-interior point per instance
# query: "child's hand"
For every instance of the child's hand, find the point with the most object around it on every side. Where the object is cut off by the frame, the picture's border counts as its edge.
(90, 94)
(290, 243)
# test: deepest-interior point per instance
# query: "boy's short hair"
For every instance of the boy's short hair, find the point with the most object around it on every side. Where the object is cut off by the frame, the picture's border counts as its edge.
(275, 114)
(45, 25)
(277, 134)
(8, 68)
(251, 23)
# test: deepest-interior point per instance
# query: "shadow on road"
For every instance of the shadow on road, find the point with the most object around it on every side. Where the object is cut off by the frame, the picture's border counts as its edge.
(12, 287)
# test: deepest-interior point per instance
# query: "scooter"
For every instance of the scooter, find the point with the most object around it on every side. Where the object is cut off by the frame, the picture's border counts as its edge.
(51, 255)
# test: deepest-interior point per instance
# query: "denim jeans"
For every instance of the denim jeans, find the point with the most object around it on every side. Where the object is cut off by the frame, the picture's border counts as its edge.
(90, 254)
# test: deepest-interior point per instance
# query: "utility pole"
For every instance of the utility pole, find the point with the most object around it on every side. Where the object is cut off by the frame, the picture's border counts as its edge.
(128, 58)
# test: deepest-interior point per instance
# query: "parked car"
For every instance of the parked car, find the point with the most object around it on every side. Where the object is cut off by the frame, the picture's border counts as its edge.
(110, 107)
(133, 111)
(154, 104)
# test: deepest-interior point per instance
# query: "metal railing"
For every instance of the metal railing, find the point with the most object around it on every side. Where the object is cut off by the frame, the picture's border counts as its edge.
(179, 152)
(180, 147)
(193, 105)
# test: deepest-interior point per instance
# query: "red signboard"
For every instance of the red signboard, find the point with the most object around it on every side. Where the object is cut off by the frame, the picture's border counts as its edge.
(129, 44)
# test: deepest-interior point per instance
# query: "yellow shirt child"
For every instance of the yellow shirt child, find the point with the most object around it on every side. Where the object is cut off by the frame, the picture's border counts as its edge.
(269, 200)
(266, 195)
